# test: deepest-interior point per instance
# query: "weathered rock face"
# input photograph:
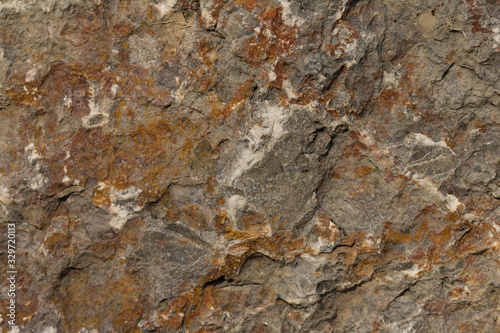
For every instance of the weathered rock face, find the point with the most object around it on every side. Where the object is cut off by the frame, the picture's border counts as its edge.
(251, 166)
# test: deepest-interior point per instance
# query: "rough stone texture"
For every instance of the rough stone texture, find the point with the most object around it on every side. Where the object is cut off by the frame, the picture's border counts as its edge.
(251, 165)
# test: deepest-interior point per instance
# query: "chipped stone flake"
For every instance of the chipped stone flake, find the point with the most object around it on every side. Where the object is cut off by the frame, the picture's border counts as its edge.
(123, 205)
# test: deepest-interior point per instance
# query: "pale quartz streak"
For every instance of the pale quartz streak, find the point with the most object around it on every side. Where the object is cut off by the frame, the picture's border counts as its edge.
(424, 140)
(4, 195)
(123, 211)
(95, 109)
(274, 117)
(123, 204)
(289, 18)
(451, 202)
(33, 156)
(165, 7)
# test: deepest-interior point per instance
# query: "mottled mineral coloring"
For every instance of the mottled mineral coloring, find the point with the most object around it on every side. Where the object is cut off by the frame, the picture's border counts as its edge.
(251, 165)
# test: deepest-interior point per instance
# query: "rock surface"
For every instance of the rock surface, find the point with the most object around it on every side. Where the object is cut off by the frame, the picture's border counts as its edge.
(251, 165)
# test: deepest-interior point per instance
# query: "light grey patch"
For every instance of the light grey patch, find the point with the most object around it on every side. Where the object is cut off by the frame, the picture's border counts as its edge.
(144, 50)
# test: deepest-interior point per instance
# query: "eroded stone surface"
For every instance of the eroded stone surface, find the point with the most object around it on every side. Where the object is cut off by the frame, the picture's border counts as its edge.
(251, 166)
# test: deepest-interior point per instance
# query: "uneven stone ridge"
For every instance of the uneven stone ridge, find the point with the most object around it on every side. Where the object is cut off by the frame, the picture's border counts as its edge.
(251, 165)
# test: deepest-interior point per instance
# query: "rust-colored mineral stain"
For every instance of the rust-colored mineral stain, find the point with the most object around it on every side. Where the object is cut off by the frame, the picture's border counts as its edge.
(363, 171)
(160, 135)
(115, 300)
